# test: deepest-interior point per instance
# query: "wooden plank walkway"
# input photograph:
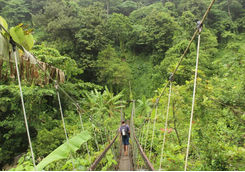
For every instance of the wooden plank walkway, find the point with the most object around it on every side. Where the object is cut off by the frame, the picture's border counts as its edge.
(125, 163)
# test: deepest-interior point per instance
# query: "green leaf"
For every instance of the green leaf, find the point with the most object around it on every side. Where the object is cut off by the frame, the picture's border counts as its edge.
(65, 149)
(4, 48)
(29, 42)
(3, 23)
(19, 36)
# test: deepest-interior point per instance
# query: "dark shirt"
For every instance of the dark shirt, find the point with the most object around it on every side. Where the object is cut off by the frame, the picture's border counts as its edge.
(127, 129)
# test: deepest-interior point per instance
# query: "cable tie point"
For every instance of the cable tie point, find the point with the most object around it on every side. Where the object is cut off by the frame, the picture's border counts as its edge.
(171, 77)
(199, 26)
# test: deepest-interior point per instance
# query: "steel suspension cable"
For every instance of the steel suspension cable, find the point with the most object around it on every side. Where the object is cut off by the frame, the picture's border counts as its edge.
(133, 130)
(137, 157)
(121, 113)
(96, 162)
(141, 137)
(96, 142)
(62, 118)
(101, 137)
(187, 48)
(92, 120)
(193, 103)
(113, 146)
(61, 112)
(23, 107)
(107, 132)
(136, 142)
(153, 132)
(135, 150)
(142, 133)
(181, 59)
(81, 121)
(139, 132)
(142, 140)
(166, 125)
(147, 130)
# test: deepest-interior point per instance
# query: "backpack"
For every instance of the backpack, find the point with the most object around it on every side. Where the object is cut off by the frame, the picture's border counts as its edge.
(124, 130)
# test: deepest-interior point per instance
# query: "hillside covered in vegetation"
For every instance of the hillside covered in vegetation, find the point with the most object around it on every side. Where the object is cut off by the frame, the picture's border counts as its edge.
(111, 52)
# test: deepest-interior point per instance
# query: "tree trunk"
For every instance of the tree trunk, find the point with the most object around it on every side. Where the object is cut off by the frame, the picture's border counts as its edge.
(228, 7)
(22, 68)
(27, 69)
(175, 127)
(11, 64)
(108, 7)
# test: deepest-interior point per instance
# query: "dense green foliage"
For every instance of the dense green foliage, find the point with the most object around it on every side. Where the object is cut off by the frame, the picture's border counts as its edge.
(107, 48)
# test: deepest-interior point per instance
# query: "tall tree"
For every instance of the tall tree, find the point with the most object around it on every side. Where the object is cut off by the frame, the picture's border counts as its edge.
(16, 11)
(118, 29)
(113, 71)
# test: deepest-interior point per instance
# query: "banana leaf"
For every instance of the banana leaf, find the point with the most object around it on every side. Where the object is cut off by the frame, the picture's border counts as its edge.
(63, 151)
(3, 23)
(4, 48)
(19, 36)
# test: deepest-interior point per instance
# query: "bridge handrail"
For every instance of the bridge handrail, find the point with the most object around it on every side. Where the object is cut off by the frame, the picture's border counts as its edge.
(96, 162)
(143, 155)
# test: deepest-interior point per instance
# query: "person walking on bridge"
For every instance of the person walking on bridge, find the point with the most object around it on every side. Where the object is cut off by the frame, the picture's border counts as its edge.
(125, 133)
